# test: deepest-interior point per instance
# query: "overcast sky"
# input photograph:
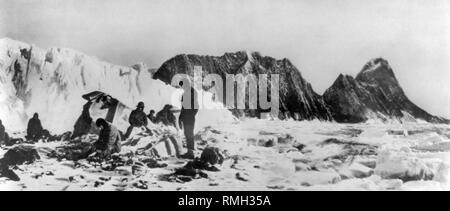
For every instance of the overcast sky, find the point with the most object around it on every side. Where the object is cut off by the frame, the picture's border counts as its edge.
(322, 38)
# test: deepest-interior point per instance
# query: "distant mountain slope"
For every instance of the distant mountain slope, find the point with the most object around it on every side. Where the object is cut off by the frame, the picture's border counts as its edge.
(374, 93)
(297, 98)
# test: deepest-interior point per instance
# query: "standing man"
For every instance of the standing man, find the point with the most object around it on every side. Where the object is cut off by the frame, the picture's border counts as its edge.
(138, 118)
(186, 121)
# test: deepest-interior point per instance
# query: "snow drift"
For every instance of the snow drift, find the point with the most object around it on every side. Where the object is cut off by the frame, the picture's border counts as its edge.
(51, 82)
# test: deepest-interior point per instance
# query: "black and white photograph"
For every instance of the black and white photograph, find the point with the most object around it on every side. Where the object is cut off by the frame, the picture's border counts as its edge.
(224, 95)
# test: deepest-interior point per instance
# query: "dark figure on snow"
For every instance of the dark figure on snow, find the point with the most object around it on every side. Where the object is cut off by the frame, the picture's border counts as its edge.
(152, 117)
(3, 135)
(108, 140)
(83, 124)
(187, 119)
(166, 116)
(34, 129)
(138, 118)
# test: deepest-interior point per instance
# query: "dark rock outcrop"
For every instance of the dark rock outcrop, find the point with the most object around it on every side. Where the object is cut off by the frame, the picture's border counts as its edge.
(374, 93)
(8, 173)
(21, 154)
(297, 98)
(212, 155)
(18, 155)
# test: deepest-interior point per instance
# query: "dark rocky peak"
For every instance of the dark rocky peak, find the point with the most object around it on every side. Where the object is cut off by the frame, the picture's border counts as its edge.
(376, 71)
(344, 81)
(375, 90)
(297, 98)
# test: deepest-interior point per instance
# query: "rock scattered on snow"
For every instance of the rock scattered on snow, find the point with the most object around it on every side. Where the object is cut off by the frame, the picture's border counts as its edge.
(212, 156)
(8, 173)
(350, 149)
(242, 176)
(19, 155)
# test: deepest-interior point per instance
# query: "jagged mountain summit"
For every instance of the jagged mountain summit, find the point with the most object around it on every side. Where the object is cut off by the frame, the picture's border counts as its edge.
(297, 98)
(374, 93)
(51, 82)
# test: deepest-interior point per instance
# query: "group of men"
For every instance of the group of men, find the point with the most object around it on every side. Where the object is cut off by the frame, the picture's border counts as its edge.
(138, 119)
(109, 138)
(109, 141)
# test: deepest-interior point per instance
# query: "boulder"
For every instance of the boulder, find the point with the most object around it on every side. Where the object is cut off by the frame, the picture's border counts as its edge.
(8, 173)
(242, 176)
(22, 154)
(212, 155)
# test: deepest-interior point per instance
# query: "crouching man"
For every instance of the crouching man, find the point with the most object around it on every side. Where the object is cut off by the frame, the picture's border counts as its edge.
(109, 139)
(138, 119)
(35, 131)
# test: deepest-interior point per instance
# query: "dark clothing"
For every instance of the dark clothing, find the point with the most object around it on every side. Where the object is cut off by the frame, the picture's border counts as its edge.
(3, 135)
(152, 118)
(188, 128)
(34, 129)
(166, 116)
(189, 112)
(187, 120)
(138, 118)
(84, 122)
(2, 131)
(109, 140)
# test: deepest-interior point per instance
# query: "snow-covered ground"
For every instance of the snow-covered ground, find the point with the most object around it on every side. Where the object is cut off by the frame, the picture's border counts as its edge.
(271, 155)
(260, 154)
